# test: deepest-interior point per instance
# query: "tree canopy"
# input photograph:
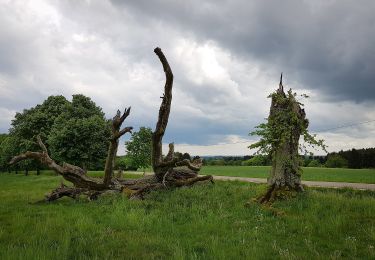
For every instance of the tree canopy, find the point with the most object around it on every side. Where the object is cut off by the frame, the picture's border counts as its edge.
(75, 132)
(80, 134)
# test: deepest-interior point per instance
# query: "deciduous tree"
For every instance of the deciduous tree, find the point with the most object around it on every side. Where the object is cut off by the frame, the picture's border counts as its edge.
(139, 148)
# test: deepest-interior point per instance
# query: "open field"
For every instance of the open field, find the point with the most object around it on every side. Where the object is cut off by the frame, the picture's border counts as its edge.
(202, 222)
(309, 173)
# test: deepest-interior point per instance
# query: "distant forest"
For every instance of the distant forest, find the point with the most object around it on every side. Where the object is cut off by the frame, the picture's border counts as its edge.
(354, 158)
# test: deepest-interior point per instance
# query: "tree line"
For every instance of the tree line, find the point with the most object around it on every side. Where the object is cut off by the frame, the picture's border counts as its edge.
(354, 159)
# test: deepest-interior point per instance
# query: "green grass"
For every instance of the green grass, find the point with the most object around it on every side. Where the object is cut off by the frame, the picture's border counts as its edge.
(202, 222)
(309, 173)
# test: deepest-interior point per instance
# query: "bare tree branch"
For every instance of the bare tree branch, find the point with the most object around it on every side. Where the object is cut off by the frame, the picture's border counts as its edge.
(117, 121)
(124, 131)
(125, 114)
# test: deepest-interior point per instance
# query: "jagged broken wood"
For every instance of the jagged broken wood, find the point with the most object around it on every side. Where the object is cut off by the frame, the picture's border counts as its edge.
(168, 171)
(285, 178)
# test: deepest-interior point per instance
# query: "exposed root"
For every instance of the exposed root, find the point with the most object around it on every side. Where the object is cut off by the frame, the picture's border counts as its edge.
(275, 193)
(64, 191)
(191, 181)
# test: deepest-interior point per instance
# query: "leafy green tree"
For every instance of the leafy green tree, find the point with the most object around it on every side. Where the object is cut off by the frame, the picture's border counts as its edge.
(125, 163)
(37, 120)
(29, 123)
(2, 137)
(139, 148)
(76, 131)
(8, 149)
(80, 134)
(336, 161)
(2, 155)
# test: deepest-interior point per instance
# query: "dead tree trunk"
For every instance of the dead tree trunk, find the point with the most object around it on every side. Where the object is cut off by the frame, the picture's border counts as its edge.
(169, 171)
(285, 178)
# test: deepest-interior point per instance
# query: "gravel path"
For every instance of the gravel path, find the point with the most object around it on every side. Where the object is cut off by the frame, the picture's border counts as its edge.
(324, 184)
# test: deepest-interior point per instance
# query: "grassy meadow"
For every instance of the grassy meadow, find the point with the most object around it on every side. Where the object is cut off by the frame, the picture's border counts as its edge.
(309, 173)
(202, 222)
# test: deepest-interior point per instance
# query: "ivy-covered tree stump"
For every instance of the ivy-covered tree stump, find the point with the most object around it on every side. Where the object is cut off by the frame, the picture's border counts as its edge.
(280, 137)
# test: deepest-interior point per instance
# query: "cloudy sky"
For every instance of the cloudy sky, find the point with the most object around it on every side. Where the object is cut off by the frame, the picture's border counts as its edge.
(226, 57)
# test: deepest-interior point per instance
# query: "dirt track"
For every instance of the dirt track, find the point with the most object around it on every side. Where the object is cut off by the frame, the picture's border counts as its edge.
(324, 184)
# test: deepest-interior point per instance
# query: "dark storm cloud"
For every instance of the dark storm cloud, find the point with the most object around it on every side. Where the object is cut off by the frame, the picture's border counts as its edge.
(325, 45)
(226, 57)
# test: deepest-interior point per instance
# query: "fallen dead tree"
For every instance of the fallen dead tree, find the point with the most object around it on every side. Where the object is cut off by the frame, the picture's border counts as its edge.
(169, 171)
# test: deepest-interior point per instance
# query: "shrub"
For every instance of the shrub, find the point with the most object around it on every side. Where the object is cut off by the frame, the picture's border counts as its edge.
(314, 163)
(258, 160)
(336, 161)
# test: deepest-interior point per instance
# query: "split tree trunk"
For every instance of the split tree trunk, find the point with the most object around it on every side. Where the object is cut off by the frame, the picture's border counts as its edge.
(285, 177)
(169, 171)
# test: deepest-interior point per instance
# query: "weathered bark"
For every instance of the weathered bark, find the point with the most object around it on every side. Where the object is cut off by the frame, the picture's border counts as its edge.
(119, 174)
(113, 146)
(169, 171)
(71, 173)
(285, 177)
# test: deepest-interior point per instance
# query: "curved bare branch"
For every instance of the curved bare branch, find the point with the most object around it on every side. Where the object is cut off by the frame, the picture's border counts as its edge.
(164, 110)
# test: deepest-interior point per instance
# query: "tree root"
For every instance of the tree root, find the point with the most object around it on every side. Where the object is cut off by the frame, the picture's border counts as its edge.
(275, 192)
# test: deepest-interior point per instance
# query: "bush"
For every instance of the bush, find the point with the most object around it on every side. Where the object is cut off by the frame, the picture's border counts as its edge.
(314, 163)
(125, 163)
(218, 162)
(258, 160)
(336, 161)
